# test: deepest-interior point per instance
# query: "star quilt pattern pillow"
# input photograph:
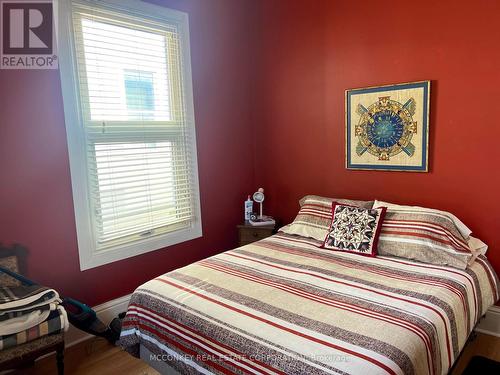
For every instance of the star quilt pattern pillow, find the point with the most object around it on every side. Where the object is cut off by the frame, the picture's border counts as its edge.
(354, 229)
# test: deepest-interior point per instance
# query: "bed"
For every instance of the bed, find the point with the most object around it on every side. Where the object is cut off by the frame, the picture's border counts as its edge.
(283, 305)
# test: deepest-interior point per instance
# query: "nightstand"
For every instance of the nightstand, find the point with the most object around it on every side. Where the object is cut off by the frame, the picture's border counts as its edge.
(248, 233)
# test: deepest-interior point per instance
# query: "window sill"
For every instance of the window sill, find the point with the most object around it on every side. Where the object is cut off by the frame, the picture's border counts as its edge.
(90, 260)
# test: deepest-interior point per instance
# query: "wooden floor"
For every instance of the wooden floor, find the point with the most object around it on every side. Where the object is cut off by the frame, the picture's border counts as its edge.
(483, 345)
(96, 356)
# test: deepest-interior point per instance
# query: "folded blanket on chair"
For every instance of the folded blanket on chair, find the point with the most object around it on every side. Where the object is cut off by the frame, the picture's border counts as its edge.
(56, 321)
(23, 321)
(24, 297)
(17, 313)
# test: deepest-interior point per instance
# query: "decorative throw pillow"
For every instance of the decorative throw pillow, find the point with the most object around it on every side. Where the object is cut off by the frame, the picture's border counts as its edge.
(355, 229)
(315, 216)
(426, 235)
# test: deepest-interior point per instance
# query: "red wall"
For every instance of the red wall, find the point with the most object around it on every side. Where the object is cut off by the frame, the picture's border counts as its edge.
(314, 50)
(36, 207)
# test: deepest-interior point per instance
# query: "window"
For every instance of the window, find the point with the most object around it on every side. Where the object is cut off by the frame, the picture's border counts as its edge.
(125, 74)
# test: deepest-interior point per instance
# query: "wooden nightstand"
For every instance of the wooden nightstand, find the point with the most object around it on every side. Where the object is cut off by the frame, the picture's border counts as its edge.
(249, 233)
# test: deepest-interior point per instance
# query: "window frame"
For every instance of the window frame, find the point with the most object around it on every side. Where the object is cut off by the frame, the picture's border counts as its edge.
(75, 132)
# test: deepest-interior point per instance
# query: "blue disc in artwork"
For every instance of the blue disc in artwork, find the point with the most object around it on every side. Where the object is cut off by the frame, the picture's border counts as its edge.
(386, 129)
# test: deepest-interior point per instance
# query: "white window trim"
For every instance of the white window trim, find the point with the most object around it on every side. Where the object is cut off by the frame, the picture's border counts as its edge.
(89, 258)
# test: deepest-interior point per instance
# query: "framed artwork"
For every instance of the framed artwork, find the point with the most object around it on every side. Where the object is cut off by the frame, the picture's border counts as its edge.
(387, 127)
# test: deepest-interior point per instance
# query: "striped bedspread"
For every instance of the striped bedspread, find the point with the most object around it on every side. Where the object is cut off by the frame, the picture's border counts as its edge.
(283, 305)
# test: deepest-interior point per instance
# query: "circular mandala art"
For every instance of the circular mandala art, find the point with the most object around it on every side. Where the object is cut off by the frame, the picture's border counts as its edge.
(386, 128)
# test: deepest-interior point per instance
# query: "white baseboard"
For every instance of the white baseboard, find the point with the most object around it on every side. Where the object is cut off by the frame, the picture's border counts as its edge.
(105, 312)
(491, 323)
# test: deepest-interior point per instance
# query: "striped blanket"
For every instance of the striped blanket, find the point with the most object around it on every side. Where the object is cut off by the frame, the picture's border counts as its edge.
(56, 321)
(26, 297)
(283, 305)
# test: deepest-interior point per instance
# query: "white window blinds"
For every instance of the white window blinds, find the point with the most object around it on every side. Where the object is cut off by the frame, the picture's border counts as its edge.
(138, 136)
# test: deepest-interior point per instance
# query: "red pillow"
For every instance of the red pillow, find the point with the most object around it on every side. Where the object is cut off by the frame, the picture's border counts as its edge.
(354, 229)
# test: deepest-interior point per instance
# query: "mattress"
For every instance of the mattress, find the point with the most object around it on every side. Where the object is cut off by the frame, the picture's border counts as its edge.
(283, 305)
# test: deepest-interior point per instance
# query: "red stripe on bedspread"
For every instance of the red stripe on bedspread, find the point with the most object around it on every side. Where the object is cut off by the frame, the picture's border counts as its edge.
(374, 270)
(387, 274)
(279, 326)
(179, 346)
(340, 305)
(189, 331)
(491, 278)
(466, 276)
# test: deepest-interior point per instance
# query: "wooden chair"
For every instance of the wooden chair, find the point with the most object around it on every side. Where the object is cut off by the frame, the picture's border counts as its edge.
(24, 355)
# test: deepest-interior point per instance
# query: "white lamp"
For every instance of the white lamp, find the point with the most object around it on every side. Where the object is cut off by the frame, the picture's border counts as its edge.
(258, 197)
